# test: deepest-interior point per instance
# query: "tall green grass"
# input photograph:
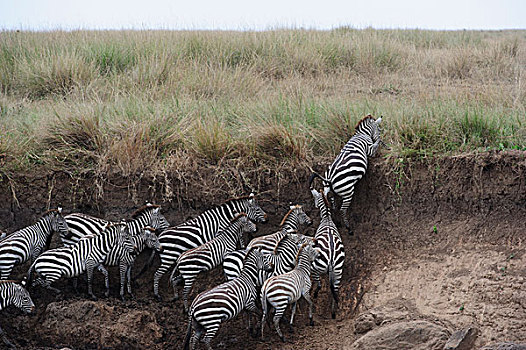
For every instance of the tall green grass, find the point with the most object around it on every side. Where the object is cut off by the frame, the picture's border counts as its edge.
(129, 102)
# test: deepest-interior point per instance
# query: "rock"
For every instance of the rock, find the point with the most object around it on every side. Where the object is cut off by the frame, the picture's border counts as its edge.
(364, 323)
(505, 346)
(462, 340)
(414, 335)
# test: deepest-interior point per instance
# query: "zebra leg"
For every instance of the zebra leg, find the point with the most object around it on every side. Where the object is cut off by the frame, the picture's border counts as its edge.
(198, 332)
(279, 310)
(316, 278)
(292, 317)
(253, 312)
(106, 279)
(123, 269)
(210, 333)
(128, 276)
(5, 340)
(346, 202)
(188, 283)
(156, 278)
(307, 297)
(90, 266)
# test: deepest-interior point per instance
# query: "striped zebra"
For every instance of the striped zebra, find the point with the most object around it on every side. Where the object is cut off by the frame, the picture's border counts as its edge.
(88, 253)
(291, 223)
(282, 290)
(120, 256)
(351, 164)
(209, 255)
(81, 225)
(283, 257)
(12, 293)
(29, 242)
(332, 254)
(193, 233)
(222, 303)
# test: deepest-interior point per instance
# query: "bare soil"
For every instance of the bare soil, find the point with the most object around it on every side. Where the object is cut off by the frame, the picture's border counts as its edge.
(443, 236)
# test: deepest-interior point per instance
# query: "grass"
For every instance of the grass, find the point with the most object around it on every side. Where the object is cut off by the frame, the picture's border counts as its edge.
(135, 102)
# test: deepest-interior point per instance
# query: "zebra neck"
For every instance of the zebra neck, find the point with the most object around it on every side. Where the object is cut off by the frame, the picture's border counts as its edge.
(136, 225)
(291, 223)
(44, 224)
(219, 217)
(5, 291)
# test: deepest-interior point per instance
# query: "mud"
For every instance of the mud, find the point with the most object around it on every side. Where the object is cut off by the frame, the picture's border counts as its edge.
(446, 235)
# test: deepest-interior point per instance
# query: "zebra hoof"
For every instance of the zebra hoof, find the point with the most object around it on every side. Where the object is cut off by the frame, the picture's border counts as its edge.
(158, 298)
(311, 323)
(333, 315)
(283, 339)
(93, 297)
(291, 330)
(123, 299)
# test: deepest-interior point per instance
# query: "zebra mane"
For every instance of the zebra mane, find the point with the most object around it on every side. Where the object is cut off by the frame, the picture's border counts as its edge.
(299, 252)
(280, 242)
(9, 281)
(288, 213)
(367, 117)
(143, 209)
(237, 217)
(50, 211)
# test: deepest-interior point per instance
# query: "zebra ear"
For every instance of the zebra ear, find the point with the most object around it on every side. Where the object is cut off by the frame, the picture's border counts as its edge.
(379, 120)
(59, 209)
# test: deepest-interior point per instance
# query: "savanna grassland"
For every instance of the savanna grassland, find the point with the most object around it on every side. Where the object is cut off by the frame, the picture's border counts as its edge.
(128, 102)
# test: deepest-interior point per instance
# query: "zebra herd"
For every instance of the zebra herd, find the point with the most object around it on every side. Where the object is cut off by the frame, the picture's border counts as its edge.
(274, 270)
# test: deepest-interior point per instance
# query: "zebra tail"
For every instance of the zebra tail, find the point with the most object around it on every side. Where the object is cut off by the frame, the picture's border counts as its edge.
(173, 276)
(315, 175)
(186, 345)
(331, 282)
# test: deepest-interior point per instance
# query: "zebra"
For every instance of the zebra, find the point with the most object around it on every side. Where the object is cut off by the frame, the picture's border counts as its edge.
(193, 233)
(291, 222)
(81, 225)
(222, 303)
(351, 164)
(332, 254)
(12, 293)
(209, 255)
(89, 252)
(29, 242)
(283, 257)
(282, 290)
(120, 256)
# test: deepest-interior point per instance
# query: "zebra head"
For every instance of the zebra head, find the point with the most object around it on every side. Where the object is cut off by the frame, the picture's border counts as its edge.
(151, 239)
(58, 223)
(302, 217)
(124, 238)
(256, 259)
(150, 215)
(22, 300)
(158, 221)
(254, 211)
(370, 127)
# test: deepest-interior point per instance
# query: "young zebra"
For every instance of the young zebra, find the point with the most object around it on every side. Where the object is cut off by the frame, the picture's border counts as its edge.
(332, 254)
(89, 252)
(209, 255)
(29, 242)
(282, 290)
(120, 256)
(291, 222)
(222, 303)
(12, 293)
(193, 233)
(351, 164)
(81, 225)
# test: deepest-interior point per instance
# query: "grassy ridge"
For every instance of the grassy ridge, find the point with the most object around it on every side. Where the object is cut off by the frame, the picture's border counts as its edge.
(130, 101)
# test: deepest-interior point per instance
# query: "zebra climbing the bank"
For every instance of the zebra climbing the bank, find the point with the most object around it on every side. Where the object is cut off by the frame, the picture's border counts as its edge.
(81, 225)
(121, 256)
(84, 256)
(281, 290)
(332, 254)
(29, 242)
(351, 164)
(12, 293)
(209, 255)
(193, 233)
(291, 223)
(222, 303)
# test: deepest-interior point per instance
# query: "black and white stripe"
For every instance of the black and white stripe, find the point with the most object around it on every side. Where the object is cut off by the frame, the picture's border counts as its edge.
(282, 290)
(193, 233)
(29, 242)
(351, 164)
(332, 254)
(291, 223)
(81, 225)
(120, 256)
(88, 253)
(209, 255)
(12, 293)
(222, 303)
